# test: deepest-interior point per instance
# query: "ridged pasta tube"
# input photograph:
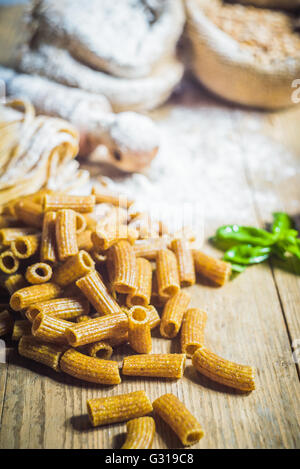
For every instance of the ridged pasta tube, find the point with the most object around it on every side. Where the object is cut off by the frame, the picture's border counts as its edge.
(38, 273)
(105, 327)
(50, 329)
(192, 331)
(33, 294)
(223, 371)
(104, 410)
(47, 354)
(78, 203)
(26, 246)
(90, 369)
(185, 261)
(100, 349)
(48, 252)
(122, 267)
(139, 332)
(96, 292)
(159, 365)
(7, 235)
(61, 308)
(75, 267)
(9, 263)
(167, 273)
(173, 312)
(179, 418)
(140, 433)
(66, 237)
(142, 293)
(217, 271)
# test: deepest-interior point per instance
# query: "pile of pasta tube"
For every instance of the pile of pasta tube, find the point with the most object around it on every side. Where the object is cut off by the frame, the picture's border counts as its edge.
(86, 274)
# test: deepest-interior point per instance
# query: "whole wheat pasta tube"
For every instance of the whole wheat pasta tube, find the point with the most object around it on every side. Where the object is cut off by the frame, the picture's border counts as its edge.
(156, 299)
(14, 282)
(78, 203)
(48, 252)
(81, 223)
(34, 294)
(110, 198)
(185, 261)
(65, 229)
(45, 353)
(6, 322)
(167, 273)
(84, 240)
(104, 410)
(105, 327)
(122, 267)
(50, 329)
(96, 292)
(142, 293)
(179, 418)
(149, 248)
(223, 371)
(159, 365)
(215, 270)
(100, 349)
(90, 369)
(139, 332)
(75, 267)
(29, 213)
(25, 246)
(61, 308)
(140, 433)
(9, 263)
(38, 273)
(192, 331)
(105, 236)
(7, 235)
(173, 312)
(21, 327)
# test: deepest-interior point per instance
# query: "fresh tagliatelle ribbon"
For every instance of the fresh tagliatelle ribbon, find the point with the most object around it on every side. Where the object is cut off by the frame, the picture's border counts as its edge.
(36, 152)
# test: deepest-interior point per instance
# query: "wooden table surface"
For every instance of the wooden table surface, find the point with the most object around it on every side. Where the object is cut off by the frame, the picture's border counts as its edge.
(253, 320)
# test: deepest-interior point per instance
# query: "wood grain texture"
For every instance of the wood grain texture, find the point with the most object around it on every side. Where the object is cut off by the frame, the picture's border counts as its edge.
(252, 320)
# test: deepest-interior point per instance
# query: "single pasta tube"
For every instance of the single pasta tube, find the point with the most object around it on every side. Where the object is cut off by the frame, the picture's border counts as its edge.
(139, 332)
(100, 349)
(29, 213)
(105, 327)
(156, 299)
(167, 273)
(173, 312)
(185, 262)
(50, 329)
(75, 267)
(9, 264)
(65, 229)
(223, 371)
(14, 282)
(149, 248)
(45, 353)
(90, 369)
(140, 433)
(121, 263)
(6, 323)
(24, 247)
(78, 203)
(192, 331)
(105, 236)
(61, 308)
(215, 270)
(81, 223)
(38, 273)
(21, 327)
(33, 294)
(7, 235)
(179, 418)
(96, 292)
(159, 365)
(48, 252)
(84, 240)
(120, 408)
(142, 293)
(105, 197)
